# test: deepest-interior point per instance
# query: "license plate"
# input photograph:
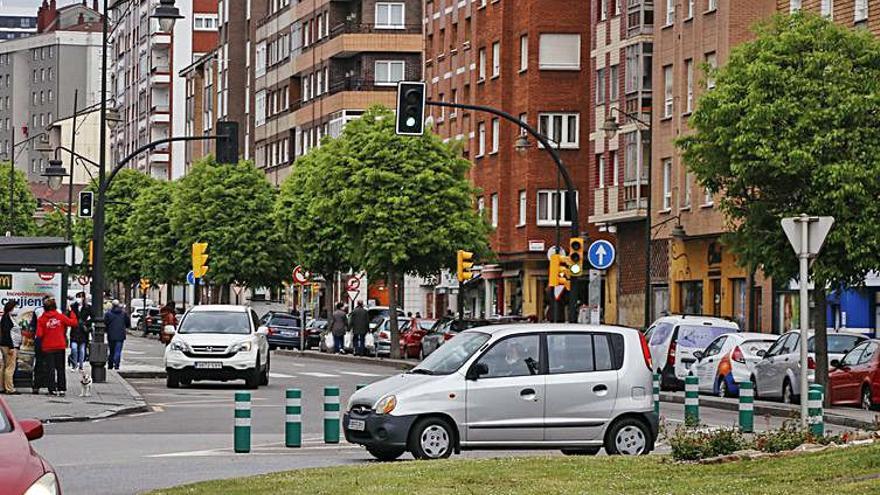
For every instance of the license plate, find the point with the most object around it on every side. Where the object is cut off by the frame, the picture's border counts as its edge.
(208, 365)
(357, 425)
(290, 334)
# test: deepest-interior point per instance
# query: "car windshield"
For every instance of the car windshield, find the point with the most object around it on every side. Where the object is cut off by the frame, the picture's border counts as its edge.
(283, 321)
(699, 336)
(227, 322)
(449, 357)
(427, 324)
(838, 344)
(753, 346)
(660, 332)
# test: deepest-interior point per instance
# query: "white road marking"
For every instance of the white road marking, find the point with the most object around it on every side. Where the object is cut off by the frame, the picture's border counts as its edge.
(318, 374)
(265, 449)
(126, 351)
(280, 375)
(358, 373)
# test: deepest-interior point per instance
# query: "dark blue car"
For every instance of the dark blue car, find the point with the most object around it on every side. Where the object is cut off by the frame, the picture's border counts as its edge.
(284, 330)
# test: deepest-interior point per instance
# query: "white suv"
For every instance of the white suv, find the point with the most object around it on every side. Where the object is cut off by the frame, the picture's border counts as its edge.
(577, 388)
(674, 340)
(218, 342)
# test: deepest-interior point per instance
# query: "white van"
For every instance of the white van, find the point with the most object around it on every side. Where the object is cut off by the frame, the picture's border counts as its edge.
(577, 388)
(673, 340)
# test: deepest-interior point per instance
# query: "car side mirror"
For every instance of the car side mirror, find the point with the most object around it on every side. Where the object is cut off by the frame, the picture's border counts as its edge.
(835, 363)
(761, 353)
(477, 371)
(262, 330)
(33, 429)
(698, 355)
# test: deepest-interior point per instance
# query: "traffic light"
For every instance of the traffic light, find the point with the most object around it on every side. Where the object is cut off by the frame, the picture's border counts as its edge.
(559, 271)
(86, 204)
(199, 258)
(576, 255)
(145, 284)
(410, 108)
(227, 141)
(464, 264)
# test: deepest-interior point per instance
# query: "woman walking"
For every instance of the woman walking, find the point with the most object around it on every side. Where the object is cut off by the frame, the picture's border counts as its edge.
(7, 348)
(51, 330)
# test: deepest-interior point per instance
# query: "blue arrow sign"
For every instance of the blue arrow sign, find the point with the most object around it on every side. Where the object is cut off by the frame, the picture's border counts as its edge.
(601, 254)
(191, 279)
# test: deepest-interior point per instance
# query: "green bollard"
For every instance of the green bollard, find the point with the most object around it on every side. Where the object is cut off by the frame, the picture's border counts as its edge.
(656, 393)
(242, 430)
(746, 407)
(814, 410)
(331, 414)
(293, 418)
(691, 401)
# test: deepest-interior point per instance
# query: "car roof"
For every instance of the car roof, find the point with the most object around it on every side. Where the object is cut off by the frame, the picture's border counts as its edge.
(831, 331)
(757, 336)
(698, 320)
(233, 308)
(517, 328)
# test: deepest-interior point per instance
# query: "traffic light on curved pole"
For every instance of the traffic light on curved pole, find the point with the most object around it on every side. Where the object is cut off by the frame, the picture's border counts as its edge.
(464, 262)
(576, 256)
(560, 271)
(199, 259)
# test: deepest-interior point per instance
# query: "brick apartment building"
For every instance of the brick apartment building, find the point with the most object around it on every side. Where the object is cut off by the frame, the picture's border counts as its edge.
(530, 59)
(703, 277)
(621, 68)
(319, 64)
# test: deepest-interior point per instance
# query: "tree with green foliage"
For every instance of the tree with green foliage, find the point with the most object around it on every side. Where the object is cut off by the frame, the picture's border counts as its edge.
(157, 248)
(24, 205)
(229, 206)
(403, 203)
(793, 126)
(53, 224)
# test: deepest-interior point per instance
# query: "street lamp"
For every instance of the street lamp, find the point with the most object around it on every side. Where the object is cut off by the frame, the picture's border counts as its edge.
(113, 118)
(55, 174)
(610, 127)
(167, 14)
(522, 144)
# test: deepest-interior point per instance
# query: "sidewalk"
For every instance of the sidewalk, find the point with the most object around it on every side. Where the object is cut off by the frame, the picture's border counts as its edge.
(850, 417)
(113, 397)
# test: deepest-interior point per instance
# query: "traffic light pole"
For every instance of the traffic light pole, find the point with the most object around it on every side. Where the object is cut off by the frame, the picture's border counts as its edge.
(563, 171)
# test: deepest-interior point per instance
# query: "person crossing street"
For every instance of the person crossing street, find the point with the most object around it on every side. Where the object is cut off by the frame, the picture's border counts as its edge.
(338, 327)
(359, 322)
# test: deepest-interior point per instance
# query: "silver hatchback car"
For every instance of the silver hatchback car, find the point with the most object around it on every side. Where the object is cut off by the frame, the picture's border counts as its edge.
(577, 388)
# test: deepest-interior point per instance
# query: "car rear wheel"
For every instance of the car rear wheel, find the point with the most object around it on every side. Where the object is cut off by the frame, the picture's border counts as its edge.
(754, 386)
(628, 436)
(582, 451)
(868, 403)
(723, 387)
(264, 375)
(431, 438)
(172, 379)
(386, 454)
(788, 396)
(421, 353)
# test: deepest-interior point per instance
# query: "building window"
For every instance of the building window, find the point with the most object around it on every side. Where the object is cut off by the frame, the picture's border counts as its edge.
(389, 72)
(603, 10)
(523, 118)
(707, 197)
(481, 74)
(670, 12)
(559, 52)
(794, 6)
(496, 134)
(560, 128)
(522, 209)
(260, 108)
(496, 59)
(690, 12)
(390, 15)
(600, 87)
(260, 63)
(600, 166)
(711, 5)
(615, 168)
(688, 180)
(613, 84)
(549, 206)
(689, 69)
(827, 9)
(523, 53)
(495, 210)
(205, 22)
(667, 91)
(481, 205)
(861, 11)
(667, 183)
(481, 139)
(712, 63)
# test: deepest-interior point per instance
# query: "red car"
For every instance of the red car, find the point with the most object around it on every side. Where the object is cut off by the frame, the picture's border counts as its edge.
(411, 340)
(22, 470)
(855, 379)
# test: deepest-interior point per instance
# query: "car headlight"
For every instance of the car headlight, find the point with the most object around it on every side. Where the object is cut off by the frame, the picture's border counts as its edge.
(242, 347)
(46, 485)
(385, 405)
(179, 345)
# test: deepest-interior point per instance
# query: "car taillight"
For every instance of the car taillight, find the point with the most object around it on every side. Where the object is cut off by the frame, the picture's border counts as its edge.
(811, 363)
(646, 351)
(670, 358)
(271, 330)
(737, 355)
(149, 320)
(384, 335)
(448, 335)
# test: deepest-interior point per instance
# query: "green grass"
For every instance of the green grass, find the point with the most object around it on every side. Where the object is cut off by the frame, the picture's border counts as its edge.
(844, 471)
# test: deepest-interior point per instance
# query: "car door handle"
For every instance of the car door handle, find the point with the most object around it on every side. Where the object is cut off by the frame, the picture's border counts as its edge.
(601, 388)
(528, 394)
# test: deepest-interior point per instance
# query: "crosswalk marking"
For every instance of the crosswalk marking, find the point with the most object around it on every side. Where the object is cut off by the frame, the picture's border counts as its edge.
(280, 375)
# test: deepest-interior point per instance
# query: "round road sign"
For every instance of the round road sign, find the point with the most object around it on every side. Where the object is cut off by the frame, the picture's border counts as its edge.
(300, 275)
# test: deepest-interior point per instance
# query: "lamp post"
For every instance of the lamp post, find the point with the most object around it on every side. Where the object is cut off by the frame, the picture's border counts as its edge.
(610, 127)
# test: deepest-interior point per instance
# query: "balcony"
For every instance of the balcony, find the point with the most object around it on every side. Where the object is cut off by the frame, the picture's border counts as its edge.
(345, 94)
(348, 39)
(611, 205)
(160, 118)
(160, 79)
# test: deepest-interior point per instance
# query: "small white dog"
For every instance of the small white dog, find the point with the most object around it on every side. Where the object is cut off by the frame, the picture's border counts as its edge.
(85, 381)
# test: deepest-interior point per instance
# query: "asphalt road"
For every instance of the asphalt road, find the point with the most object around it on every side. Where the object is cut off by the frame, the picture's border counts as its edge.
(187, 436)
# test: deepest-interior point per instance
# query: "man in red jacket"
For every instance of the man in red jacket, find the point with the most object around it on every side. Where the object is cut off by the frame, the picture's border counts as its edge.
(52, 332)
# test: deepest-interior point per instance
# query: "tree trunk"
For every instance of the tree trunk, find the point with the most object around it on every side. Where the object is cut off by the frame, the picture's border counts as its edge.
(224, 294)
(169, 292)
(821, 343)
(749, 319)
(329, 292)
(392, 313)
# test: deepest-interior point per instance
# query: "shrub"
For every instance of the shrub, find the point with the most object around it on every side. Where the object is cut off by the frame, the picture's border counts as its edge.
(689, 444)
(789, 436)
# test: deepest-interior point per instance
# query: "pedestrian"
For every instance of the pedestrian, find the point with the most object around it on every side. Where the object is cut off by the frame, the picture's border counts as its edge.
(52, 332)
(38, 373)
(79, 335)
(359, 321)
(116, 320)
(169, 318)
(8, 348)
(338, 327)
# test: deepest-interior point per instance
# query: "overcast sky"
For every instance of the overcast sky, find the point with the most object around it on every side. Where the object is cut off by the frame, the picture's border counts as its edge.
(29, 3)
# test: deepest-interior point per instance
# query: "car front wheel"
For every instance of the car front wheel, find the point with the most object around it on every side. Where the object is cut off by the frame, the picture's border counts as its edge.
(628, 436)
(868, 403)
(252, 381)
(431, 438)
(172, 379)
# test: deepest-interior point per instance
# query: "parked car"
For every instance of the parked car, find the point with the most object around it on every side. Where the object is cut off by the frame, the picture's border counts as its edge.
(577, 388)
(138, 311)
(673, 340)
(218, 342)
(411, 339)
(283, 330)
(778, 373)
(313, 332)
(383, 334)
(730, 360)
(443, 330)
(379, 313)
(855, 379)
(152, 324)
(22, 470)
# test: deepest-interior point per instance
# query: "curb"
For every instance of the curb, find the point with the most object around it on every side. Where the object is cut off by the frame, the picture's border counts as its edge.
(142, 374)
(104, 415)
(397, 364)
(765, 409)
